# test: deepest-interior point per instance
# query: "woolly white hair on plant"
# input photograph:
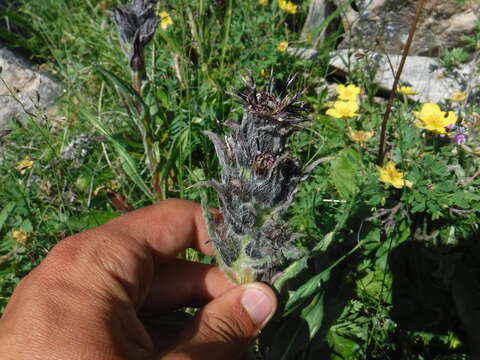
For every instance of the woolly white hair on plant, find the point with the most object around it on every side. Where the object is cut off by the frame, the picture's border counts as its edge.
(259, 178)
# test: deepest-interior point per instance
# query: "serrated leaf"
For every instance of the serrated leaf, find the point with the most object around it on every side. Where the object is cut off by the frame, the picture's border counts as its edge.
(345, 172)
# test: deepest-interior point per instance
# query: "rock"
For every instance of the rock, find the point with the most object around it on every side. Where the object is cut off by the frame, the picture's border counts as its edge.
(318, 13)
(424, 74)
(383, 25)
(23, 88)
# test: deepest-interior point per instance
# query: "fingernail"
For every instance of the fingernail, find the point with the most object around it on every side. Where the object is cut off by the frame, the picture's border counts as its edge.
(258, 305)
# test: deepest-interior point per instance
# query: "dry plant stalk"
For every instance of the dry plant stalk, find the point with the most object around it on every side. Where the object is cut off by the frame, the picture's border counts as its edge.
(259, 178)
(406, 49)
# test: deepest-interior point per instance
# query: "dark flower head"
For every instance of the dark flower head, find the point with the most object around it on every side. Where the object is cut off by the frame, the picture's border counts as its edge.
(136, 25)
(259, 179)
(281, 108)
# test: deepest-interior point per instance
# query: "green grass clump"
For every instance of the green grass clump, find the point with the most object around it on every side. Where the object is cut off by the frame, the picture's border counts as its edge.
(377, 283)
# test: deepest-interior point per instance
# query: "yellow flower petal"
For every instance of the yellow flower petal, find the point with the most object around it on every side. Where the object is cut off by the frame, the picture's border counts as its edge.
(19, 235)
(282, 46)
(24, 164)
(360, 136)
(432, 118)
(343, 109)
(263, 2)
(348, 93)
(459, 96)
(391, 176)
(165, 20)
(287, 6)
(407, 90)
(334, 113)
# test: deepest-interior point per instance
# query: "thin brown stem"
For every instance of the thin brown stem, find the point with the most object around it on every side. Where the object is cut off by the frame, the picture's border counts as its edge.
(413, 28)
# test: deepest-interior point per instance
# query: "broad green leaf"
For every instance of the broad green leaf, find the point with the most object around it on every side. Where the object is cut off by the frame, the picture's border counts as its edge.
(5, 213)
(316, 282)
(290, 272)
(307, 289)
(313, 314)
(343, 348)
(346, 172)
(325, 243)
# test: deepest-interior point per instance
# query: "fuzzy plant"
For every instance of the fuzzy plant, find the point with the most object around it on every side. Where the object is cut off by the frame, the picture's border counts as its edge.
(136, 24)
(259, 179)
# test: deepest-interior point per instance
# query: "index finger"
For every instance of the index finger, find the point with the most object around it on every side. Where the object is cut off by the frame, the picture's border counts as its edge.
(119, 257)
(167, 228)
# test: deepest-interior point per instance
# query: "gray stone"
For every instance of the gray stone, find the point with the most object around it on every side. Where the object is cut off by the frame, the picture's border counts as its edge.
(314, 29)
(23, 88)
(424, 74)
(383, 25)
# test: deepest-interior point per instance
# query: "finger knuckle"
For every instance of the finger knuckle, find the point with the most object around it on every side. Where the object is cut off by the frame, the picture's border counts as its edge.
(224, 327)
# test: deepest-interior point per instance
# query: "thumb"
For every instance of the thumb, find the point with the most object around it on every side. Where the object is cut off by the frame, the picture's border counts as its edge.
(226, 326)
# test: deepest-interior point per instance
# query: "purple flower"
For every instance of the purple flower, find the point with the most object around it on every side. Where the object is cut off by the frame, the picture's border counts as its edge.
(450, 127)
(460, 139)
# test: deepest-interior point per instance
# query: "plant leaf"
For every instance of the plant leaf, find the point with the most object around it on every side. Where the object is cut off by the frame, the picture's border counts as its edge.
(290, 272)
(306, 290)
(313, 314)
(5, 213)
(130, 168)
(345, 172)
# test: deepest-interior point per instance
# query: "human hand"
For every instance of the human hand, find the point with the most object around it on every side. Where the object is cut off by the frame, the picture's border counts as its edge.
(88, 299)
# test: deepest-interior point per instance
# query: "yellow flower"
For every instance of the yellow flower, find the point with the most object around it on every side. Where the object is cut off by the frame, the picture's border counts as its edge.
(287, 6)
(263, 2)
(282, 46)
(407, 90)
(343, 109)
(360, 136)
(390, 175)
(432, 118)
(263, 74)
(165, 20)
(459, 96)
(348, 93)
(19, 235)
(24, 165)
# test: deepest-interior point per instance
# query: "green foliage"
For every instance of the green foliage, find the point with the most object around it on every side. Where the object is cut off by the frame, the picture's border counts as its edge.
(346, 172)
(451, 58)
